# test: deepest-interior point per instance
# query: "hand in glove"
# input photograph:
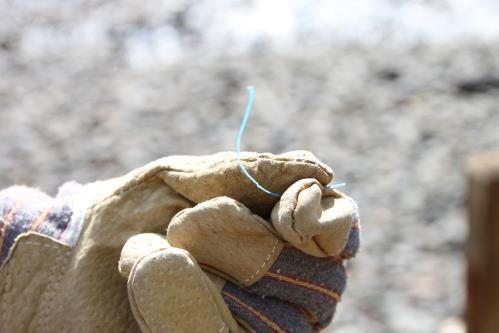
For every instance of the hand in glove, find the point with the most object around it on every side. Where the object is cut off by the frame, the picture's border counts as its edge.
(222, 268)
(59, 255)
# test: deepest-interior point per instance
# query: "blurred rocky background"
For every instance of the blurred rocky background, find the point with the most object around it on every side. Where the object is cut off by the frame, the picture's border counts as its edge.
(393, 94)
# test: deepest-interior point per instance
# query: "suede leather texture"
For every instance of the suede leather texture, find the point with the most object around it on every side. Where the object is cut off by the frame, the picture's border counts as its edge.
(314, 218)
(274, 285)
(188, 301)
(219, 230)
(84, 292)
(169, 292)
(30, 282)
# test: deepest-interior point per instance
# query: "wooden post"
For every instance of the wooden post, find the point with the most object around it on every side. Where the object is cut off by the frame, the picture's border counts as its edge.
(482, 312)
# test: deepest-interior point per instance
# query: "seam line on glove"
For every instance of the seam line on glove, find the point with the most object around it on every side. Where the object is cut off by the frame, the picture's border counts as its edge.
(265, 262)
(205, 287)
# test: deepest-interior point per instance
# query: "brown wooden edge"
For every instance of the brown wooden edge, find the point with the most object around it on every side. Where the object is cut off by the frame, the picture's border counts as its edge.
(482, 311)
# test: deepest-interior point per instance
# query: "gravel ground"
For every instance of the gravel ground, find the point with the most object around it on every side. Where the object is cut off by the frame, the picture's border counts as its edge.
(396, 122)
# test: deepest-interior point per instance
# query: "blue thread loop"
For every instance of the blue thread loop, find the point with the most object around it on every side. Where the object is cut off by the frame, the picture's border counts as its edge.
(249, 105)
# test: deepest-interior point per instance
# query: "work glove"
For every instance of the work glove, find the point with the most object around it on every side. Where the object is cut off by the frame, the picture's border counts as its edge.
(59, 255)
(222, 268)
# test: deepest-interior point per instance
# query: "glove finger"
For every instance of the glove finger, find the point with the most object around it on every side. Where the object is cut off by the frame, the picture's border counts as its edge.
(201, 178)
(137, 247)
(169, 292)
(315, 219)
(227, 239)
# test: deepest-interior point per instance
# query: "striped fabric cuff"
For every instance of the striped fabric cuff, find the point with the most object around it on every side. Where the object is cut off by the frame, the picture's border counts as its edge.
(24, 209)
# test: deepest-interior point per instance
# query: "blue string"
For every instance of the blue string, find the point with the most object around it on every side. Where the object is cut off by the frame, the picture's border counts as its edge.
(335, 186)
(249, 105)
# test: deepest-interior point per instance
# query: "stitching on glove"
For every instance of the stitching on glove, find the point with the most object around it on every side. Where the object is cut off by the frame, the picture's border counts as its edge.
(265, 262)
(220, 330)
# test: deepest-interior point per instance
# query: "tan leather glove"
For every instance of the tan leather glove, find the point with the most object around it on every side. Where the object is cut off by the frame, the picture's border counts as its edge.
(255, 278)
(59, 255)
